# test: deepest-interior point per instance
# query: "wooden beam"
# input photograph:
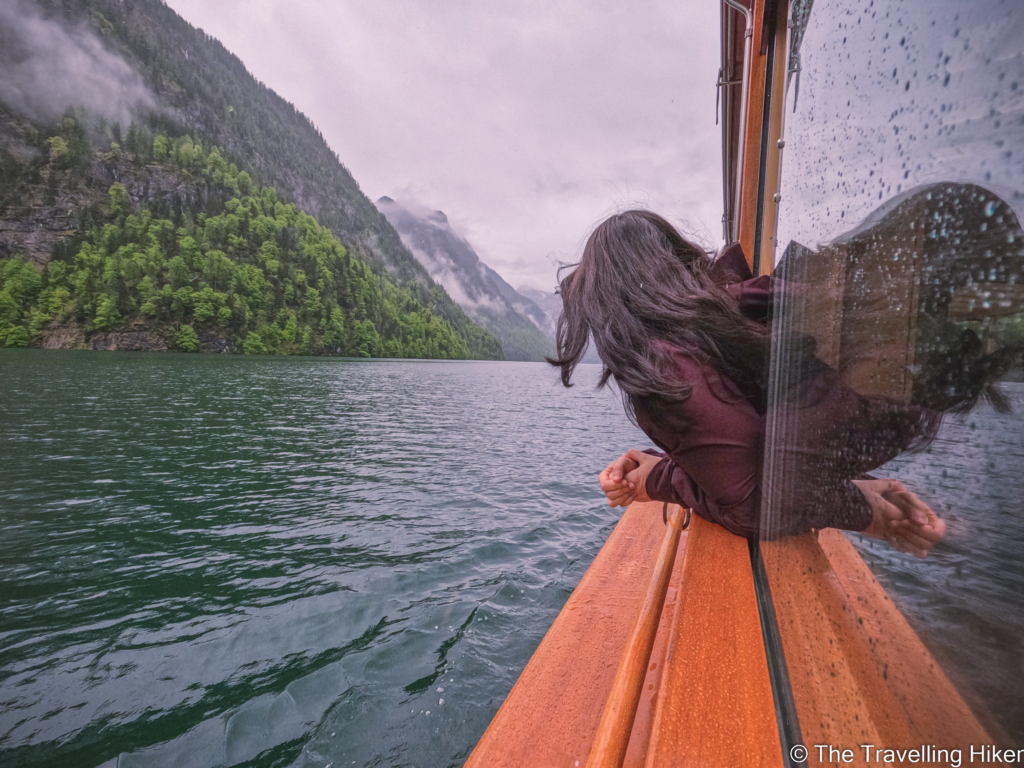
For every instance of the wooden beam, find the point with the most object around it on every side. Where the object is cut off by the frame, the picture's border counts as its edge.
(612, 738)
(751, 148)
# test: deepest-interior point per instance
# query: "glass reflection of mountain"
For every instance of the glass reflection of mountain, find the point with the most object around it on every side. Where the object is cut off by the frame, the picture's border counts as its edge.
(917, 302)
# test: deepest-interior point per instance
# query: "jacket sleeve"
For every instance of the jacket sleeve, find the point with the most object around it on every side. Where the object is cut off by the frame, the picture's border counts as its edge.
(713, 445)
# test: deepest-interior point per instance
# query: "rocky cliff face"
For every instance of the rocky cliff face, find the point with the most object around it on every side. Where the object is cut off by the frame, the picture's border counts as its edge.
(46, 207)
(42, 206)
(138, 337)
(517, 321)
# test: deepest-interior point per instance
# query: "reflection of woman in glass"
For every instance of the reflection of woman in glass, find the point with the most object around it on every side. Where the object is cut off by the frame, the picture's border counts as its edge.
(686, 340)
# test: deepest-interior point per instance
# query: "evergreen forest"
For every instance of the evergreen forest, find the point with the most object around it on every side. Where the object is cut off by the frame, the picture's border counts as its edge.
(237, 264)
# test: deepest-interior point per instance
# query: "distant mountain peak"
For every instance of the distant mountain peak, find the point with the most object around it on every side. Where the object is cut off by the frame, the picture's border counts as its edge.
(551, 303)
(525, 330)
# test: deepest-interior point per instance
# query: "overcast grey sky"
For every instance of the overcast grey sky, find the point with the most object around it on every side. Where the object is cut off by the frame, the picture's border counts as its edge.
(525, 122)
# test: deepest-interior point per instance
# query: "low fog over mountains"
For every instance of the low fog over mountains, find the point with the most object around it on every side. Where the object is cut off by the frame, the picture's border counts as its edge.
(526, 330)
(51, 63)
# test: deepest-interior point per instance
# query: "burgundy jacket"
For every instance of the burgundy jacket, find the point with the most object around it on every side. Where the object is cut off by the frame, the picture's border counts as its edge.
(713, 442)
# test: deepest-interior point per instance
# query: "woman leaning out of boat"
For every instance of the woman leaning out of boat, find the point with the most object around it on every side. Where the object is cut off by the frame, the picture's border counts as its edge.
(686, 340)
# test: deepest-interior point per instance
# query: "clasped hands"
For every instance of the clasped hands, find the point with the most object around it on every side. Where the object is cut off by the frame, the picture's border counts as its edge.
(897, 515)
(900, 517)
(625, 479)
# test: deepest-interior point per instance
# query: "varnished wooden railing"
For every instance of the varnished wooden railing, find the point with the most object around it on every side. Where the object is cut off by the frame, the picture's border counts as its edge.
(552, 714)
(715, 704)
(612, 739)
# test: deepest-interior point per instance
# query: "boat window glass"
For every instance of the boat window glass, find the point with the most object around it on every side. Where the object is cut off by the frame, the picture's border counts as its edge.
(897, 339)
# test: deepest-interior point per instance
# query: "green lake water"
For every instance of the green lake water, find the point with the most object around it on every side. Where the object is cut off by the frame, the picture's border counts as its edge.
(213, 560)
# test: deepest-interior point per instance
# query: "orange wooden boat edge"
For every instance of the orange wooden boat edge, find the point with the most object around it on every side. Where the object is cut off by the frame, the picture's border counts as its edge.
(613, 734)
(704, 669)
(715, 706)
(552, 713)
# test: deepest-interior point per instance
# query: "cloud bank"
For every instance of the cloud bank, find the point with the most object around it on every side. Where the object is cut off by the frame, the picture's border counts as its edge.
(47, 66)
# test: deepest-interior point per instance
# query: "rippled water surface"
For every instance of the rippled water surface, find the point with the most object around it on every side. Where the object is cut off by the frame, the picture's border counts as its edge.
(227, 560)
(278, 561)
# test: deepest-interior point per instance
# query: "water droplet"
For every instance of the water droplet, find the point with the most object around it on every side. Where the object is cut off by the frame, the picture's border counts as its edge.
(440, 702)
(440, 689)
(990, 207)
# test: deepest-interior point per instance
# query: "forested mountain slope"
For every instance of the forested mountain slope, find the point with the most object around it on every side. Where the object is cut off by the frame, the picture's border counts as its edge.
(56, 170)
(187, 253)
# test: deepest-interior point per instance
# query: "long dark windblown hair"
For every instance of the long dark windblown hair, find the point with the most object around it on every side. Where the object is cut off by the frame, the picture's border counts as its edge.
(640, 282)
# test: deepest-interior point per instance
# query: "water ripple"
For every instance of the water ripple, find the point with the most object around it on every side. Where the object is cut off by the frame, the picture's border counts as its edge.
(223, 560)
